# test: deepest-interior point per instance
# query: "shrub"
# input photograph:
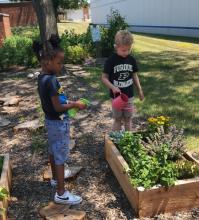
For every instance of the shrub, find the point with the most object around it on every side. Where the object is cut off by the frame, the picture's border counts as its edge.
(172, 138)
(115, 23)
(187, 169)
(75, 54)
(70, 38)
(17, 50)
(30, 32)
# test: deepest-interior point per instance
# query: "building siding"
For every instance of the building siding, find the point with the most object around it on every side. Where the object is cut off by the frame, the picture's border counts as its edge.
(173, 17)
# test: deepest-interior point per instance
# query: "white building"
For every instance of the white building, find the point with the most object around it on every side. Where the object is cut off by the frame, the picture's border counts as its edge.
(82, 14)
(171, 17)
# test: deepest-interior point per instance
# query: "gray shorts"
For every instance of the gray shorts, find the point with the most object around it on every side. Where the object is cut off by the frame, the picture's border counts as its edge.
(126, 112)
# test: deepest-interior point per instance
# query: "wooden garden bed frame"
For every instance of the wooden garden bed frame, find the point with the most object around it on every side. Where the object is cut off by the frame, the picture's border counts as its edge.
(5, 181)
(182, 197)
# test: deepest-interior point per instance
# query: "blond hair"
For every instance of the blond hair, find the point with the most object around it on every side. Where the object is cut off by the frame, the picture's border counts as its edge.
(123, 37)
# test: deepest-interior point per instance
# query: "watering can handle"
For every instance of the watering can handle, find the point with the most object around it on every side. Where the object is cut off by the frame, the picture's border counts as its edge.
(116, 93)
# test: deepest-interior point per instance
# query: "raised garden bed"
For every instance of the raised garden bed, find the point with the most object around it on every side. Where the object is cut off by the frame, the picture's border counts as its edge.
(5, 182)
(183, 196)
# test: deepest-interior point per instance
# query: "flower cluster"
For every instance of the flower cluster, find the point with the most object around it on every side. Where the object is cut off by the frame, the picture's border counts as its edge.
(160, 120)
(156, 122)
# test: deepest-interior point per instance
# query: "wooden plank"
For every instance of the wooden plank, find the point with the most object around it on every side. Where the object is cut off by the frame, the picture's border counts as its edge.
(52, 209)
(182, 197)
(69, 215)
(188, 156)
(118, 166)
(61, 212)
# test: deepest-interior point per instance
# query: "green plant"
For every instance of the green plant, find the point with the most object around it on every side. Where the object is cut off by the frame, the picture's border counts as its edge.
(17, 50)
(167, 171)
(144, 169)
(3, 193)
(115, 23)
(187, 169)
(28, 31)
(116, 136)
(70, 38)
(173, 138)
(75, 54)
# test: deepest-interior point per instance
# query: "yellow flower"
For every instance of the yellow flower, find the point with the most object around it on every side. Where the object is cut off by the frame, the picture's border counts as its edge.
(160, 122)
(162, 118)
(152, 120)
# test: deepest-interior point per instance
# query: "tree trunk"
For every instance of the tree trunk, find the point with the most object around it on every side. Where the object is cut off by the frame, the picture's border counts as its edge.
(46, 18)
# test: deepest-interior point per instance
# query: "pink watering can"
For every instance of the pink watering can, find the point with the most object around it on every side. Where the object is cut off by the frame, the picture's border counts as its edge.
(120, 101)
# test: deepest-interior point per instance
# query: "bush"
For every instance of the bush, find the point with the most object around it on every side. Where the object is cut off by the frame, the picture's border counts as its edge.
(17, 50)
(115, 23)
(70, 38)
(30, 32)
(77, 47)
(75, 54)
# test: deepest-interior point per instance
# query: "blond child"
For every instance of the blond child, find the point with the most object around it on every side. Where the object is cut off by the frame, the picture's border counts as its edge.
(120, 76)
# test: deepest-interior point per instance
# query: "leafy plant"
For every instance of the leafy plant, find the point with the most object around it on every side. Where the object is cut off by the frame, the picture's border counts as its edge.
(17, 50)
(116, 136)
(144, 169)
(115, 23)
(3, 193)
(75, 54)
(167, 171)
(173, 138)
(187, 169)
(28, 31)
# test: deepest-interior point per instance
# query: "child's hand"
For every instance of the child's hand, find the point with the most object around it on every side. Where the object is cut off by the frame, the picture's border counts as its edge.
(141, 95)
(80, 105)
(116, 90)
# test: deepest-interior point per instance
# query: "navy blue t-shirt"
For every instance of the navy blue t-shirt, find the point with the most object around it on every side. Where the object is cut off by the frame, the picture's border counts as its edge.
(48, 86)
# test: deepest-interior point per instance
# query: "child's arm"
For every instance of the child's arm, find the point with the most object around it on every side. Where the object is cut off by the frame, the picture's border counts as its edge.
(108, 84)
(64, 107)
(138, 86)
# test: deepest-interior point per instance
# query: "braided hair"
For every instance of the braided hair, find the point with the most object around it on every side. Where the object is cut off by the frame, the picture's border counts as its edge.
(48, 50)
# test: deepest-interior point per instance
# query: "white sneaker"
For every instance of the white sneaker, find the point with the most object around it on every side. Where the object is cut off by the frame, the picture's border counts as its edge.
(67, 198)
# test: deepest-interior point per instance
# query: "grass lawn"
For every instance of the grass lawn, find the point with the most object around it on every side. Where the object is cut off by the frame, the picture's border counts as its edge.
(79, 27)
(169, 74)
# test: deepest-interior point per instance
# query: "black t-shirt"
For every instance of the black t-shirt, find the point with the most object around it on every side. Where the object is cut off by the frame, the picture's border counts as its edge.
(120, 71)
(48, 86)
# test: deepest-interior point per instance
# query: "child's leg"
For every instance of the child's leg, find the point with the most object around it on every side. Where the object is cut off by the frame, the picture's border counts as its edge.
(128, 114)
(128, 124)
(60, 179)
(52, 164)
(117, 124)
(117, 116)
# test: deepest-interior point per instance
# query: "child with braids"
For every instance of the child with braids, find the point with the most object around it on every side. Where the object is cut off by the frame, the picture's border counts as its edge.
(51, 57)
